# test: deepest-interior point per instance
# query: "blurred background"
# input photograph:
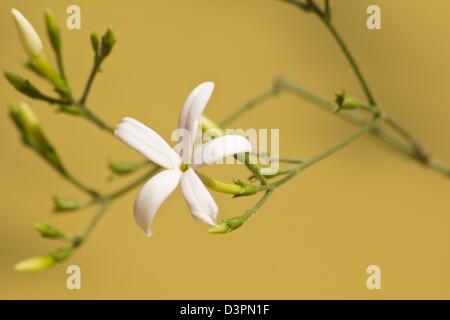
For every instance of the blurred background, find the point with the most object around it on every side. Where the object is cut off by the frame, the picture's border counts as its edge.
(316, 235)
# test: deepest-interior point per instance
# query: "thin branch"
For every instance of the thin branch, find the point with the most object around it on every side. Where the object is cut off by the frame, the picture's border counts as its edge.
(95, 69)
(249, 105)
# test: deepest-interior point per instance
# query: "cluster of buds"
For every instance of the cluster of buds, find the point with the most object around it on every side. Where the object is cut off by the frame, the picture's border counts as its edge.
(30, 128)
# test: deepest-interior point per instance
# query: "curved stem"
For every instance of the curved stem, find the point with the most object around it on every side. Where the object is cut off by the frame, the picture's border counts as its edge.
(351, 60)
(328, 152)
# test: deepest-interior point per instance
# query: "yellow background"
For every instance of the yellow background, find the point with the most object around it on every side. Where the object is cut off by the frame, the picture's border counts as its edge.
(317, 235)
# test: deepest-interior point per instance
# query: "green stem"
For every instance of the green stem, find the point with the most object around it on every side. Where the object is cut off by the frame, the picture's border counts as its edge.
(77, 183)
(260, 98)
(258, 205)
(410, 149)
(90, 81)
(351, 60)
(94, 222)
(89, 115)
(419, 150)
(60, 64)
(328, 152)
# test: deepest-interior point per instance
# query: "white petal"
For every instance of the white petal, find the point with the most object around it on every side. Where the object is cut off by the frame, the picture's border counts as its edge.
(197, 101)
(152, 194)
(148, 142)
(202, 205)
(219, 148)
(28, 36)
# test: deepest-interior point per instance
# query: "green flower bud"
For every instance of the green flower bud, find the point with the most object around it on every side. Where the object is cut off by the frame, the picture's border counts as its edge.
(61, 204)
(41, 263)
(23, 85)
(108, 42)
(220, 228)
(344, 101)
(53, 31)
(124, 167)
(95, 42)
(47, 231)
(32, 134)
(227, 225)
(35, 264)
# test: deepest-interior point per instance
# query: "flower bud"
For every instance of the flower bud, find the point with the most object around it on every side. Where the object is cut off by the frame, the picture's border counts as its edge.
(220, 228)
(124, 167)
(53, 31)
(227, 225)
(32, 134)
(28, 35)
(344, 101)
(23, 85)
(41, 263)
(35, 264)
(47, 231)
(95, 42)
(108, 42)
(61, 204)
(33, 46)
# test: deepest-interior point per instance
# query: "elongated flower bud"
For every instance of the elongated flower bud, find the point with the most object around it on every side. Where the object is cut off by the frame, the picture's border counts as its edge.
(32, 134)
(28, 35)
(61, 204)
(121, 168)
(47, 231)
(23, 85)
(35, 264)
(53, 31)
(33, 46)
(40, 263)
(108, 42)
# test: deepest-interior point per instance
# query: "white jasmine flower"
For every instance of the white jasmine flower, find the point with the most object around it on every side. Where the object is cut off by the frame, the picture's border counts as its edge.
(155, 148)
(28, 36)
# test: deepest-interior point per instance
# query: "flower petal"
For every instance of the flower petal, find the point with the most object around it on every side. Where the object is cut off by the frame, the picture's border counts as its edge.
(202, 205)
(219, 148)
(152, 195)
(148, 142)
(195, 104)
